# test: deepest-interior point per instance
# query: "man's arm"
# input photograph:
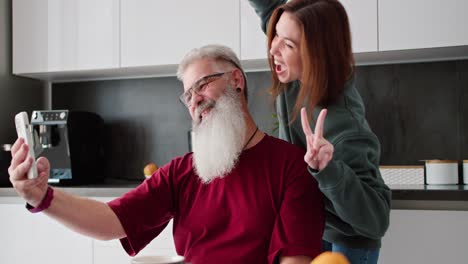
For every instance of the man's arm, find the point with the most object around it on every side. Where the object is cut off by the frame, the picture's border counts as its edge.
(86, 216)
(295, 260)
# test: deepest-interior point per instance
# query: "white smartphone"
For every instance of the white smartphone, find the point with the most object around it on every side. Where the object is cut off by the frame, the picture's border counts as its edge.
(23, 130)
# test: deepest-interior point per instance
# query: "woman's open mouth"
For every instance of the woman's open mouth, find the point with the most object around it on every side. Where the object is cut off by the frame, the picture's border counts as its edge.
(279, 67)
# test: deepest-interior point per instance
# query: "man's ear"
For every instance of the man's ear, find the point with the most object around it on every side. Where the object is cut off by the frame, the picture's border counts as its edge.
(238, 80)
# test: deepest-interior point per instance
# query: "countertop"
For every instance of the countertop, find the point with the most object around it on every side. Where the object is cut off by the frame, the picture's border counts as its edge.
(430, 197)
(430, 192)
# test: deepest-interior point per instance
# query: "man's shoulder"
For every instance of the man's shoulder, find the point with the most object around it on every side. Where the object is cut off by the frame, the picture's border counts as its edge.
(180, 163)
(187, 157)
(283, 146)
(286, 158)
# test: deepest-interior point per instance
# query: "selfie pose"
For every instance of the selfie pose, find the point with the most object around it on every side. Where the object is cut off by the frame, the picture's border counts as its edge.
(242, 196)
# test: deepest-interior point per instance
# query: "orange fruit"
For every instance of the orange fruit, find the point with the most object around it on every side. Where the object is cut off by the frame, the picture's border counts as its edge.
(150, 169)
(329, 257)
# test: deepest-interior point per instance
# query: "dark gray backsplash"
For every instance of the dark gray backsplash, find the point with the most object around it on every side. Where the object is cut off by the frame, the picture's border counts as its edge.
(416, 110)
(145, 122)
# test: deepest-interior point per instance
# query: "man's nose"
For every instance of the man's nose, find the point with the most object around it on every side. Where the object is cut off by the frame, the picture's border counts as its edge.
(197, 99)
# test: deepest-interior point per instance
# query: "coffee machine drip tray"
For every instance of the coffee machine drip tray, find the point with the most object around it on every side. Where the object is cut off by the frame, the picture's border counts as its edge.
(56, 175)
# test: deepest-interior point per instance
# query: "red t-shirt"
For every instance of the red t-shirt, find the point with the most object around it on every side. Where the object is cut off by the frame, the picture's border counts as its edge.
(268, 206)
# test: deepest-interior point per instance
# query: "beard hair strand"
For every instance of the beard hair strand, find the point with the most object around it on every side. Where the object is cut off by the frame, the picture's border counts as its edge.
(218, 139)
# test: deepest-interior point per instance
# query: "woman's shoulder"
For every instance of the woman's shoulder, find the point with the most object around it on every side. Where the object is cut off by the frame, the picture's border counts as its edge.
(347, 118)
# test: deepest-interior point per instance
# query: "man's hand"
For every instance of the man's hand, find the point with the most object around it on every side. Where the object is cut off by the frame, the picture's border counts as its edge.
(85, 216)
(319, 150)
(32, 190)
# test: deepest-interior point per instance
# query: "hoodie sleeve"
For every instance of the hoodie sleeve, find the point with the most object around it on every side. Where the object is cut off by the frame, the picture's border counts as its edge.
(264, 9)
(353, 184)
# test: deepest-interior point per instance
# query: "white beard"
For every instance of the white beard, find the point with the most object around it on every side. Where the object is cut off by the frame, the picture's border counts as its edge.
(218, 139)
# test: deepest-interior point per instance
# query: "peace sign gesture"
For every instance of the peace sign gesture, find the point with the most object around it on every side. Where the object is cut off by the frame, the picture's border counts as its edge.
(319, 150)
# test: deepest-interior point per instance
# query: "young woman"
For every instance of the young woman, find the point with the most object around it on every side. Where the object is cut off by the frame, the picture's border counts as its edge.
(312, 65)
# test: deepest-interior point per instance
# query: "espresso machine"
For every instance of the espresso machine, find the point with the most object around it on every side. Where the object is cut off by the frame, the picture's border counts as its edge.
(72, 141)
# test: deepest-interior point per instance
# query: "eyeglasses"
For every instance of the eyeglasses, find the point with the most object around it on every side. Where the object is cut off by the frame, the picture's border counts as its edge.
(199, 86)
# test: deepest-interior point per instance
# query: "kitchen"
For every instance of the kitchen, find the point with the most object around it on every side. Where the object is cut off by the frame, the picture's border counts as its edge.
(412, 75)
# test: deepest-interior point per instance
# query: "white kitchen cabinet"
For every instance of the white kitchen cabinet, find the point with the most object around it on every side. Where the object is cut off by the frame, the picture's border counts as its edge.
(420, 24)
(253, 40)
(112, 251)
(34, 238)
(362, 16)
(78, 40)
(430, 237)
(161, 32)
(105, 252)
(363, 22)
(73, 35)
(15, 234)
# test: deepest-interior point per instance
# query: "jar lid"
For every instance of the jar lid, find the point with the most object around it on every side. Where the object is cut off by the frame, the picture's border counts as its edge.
(441, 161)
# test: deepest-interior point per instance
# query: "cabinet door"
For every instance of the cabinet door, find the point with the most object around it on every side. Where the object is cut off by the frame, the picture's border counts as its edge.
(34, 238)
(418, 236)
(362, 16)
(56, 35)
(161, 32)
(363, 22)
(15, 234)
(419, 24)
(253, 40)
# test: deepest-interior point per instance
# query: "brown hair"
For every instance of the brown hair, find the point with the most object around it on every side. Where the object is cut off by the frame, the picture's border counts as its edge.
(325, 49)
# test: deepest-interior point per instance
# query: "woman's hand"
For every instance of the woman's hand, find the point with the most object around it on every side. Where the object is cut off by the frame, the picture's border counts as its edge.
(319, 150)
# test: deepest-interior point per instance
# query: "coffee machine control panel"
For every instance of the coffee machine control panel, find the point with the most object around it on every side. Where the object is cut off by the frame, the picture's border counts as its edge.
(49, 117)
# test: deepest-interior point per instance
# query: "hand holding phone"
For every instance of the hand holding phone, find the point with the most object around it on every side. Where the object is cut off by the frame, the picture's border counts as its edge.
(23, 130)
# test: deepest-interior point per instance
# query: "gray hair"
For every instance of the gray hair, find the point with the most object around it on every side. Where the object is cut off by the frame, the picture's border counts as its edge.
(223, 57)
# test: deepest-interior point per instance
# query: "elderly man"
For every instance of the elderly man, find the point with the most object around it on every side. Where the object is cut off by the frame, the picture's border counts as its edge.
(241, 197)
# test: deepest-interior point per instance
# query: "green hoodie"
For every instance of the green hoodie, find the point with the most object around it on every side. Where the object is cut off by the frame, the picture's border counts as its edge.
(357, 201)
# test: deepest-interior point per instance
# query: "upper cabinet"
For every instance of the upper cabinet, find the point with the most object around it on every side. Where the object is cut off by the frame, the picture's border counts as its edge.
(362, 18)
(72, 35)
(420, 24)
(253, 40)
(161, 32)
(70, 40)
